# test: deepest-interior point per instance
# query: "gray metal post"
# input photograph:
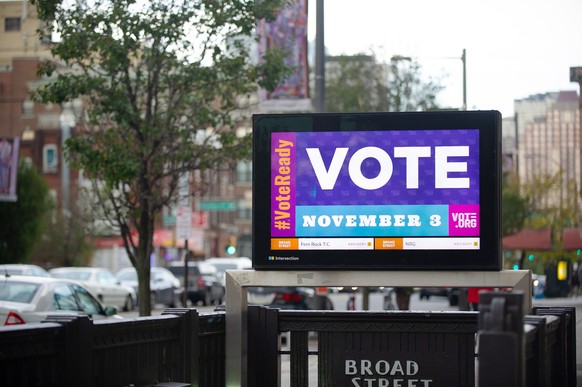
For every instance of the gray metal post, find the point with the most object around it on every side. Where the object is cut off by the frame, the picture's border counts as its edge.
(319, 60)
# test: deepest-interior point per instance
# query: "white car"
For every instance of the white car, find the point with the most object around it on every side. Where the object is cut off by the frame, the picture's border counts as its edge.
(106, 287)
(224, 264)
(165, 288)
(23, 269)
(28, 299)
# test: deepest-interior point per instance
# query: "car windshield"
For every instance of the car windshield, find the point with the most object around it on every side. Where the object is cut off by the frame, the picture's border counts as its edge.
(224, 266)
(76, 275)
(129, 275)
(22, 292)
(206, 268)
(11, 271)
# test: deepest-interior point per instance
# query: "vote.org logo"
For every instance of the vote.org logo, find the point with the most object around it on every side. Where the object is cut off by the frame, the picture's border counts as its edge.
(464, 220)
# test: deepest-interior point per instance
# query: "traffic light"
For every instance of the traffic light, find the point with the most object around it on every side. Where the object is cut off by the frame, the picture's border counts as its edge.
(531, 257)
(231, 246)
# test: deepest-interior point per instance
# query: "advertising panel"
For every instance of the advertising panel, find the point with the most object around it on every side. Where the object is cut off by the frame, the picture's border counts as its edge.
(377, 190)
(288, 32)
(9, 148)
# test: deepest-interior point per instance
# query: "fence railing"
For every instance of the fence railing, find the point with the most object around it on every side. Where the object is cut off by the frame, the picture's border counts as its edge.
(180, 346)
(339, 348)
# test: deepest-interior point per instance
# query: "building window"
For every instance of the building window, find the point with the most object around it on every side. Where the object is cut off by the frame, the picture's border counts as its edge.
(12, 24)
(27, 107)
(27, 161)
(50, 159)
(244, 213)
(244, 171)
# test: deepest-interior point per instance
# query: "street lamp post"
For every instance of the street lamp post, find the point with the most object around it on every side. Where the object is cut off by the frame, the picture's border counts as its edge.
(464, 59)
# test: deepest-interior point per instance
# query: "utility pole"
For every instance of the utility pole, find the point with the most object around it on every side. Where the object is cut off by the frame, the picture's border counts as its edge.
(319, 60)
(464, 59)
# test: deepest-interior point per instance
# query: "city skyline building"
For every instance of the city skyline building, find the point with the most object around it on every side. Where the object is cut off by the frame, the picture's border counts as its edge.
(547, 139)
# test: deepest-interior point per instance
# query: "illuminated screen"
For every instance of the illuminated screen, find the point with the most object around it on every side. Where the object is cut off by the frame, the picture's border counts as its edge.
(377, 190)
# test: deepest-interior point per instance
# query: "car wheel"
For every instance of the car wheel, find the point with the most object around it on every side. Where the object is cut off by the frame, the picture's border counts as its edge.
(175, 301)
(128, 305)
(207, 299)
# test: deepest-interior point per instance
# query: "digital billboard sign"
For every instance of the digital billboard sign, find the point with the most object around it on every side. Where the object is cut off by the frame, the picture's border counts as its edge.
(377, 190)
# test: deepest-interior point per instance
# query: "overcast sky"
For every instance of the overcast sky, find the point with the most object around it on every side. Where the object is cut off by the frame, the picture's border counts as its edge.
(514, 48)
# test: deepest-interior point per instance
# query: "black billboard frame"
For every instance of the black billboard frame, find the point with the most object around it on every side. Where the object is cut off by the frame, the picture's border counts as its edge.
(487, 258)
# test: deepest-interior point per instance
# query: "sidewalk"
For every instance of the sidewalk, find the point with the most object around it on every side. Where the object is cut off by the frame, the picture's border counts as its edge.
(559, 301)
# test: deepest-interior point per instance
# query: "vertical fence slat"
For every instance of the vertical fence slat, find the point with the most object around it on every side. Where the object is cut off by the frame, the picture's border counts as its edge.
(263, 360)
(501, 318)
(535, 362)
(78, 348)
(299, 359)
(189, 370)
(255, 344)
(566, 340)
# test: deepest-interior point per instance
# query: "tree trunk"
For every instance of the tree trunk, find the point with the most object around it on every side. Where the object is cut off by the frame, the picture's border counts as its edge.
(142, 261)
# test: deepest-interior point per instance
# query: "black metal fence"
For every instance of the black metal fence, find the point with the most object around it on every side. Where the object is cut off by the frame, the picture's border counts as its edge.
(179, 346)
(354, 348)
(408, 348)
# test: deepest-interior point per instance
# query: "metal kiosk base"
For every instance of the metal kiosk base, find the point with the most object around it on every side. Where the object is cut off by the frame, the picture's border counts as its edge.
(237, 282)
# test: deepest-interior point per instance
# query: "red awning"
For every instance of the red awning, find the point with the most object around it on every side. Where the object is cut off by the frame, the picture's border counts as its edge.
(162, 237)
(572, 239)
(529, 239)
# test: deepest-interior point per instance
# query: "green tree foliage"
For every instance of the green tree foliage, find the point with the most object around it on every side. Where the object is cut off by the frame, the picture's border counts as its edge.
(356, 84)
(21, 225)
(361, 83)
(407, 90)
(159, 81)
(65, 240)
(552, 203)
(514, 207)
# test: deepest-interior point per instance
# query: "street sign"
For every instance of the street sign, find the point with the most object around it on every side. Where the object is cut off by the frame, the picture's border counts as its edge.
(183, 222)
(200, 219)
(210, 205)
(575, 74)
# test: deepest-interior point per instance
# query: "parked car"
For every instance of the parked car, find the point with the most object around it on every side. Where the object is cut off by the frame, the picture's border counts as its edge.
(165, 288)
(203, 283)
(538, 285)
(296, 298)
(426, 293)
(107, 288)
(27, 299)
(224, 264)
(23, 269)
(453, 295)
(292, 298)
